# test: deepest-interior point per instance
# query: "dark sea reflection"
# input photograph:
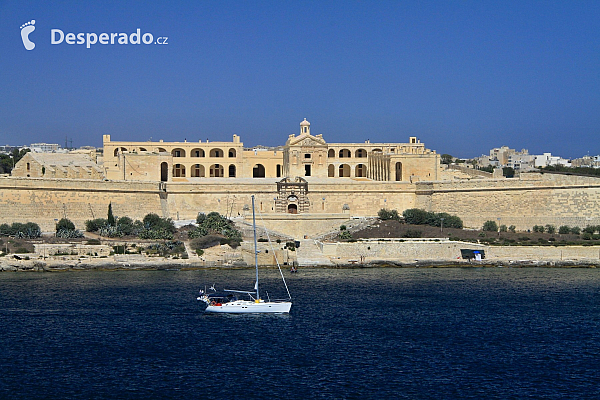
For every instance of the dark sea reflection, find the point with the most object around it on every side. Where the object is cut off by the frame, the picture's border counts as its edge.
(381, 333)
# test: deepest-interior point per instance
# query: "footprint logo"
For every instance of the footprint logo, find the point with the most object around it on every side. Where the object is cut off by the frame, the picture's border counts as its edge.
(26, 29)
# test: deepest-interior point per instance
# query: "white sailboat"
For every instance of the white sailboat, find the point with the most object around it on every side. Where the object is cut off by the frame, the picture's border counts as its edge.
(229, 303)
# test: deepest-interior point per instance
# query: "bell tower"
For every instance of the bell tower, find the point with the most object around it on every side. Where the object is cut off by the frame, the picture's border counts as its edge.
(305, 127)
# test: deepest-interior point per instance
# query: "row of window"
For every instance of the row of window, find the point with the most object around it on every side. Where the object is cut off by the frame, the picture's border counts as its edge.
(218, 171)
(182, 153)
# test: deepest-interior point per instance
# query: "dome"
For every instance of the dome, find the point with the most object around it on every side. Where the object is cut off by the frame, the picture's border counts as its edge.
(305, 123)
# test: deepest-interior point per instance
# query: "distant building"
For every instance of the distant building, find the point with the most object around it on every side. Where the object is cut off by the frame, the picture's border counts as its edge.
(44, 147)
(548, 159)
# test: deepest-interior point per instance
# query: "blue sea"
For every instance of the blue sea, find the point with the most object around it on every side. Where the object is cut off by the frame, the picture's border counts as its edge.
(470, 333)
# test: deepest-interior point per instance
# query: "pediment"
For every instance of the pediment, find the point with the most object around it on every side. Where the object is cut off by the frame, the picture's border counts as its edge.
(307, 140)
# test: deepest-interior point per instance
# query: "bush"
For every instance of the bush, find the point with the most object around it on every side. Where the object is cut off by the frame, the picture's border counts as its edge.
(575, 230)
(94, 242)
(29, 230)
(591, 229)
(551, 229)
(94, 225)
(21, 250)
(503, 228)
(345, 235)
(65, 224)
(512, 228)
(416, 216)
(564, 229)
(385, 214)
(490, 226)
(412, 233)
(200, 252)
(538, 228)
(343, 227)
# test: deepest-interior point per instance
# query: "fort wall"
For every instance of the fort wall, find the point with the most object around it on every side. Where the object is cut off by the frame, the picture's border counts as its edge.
(532, 200)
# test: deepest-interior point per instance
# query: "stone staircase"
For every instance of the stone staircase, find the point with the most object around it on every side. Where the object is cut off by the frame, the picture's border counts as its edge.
(309, 254)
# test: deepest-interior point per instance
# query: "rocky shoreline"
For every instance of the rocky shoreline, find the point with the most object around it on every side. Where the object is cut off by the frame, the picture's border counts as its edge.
(14, 265)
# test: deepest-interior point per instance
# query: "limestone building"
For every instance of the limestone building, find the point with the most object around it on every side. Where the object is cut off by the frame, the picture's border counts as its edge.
(305, 155)
(58, 165)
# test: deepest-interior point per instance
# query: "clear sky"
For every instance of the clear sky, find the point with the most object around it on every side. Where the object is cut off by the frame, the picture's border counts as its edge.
(462, 76)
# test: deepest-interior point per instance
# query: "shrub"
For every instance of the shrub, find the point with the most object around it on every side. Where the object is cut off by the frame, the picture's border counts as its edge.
(416, 216)
(412, 233)
(345, 235)
(503, 228)
(93, 242)
(21, 250)
(538, 228)
(575, 230)
(65, 224)
(385, 214)
(591, 229)
(564, 229)
(490, 226)
(343, 227)
(551, 229)
(512, 228)
(200, 252)
(94, 225)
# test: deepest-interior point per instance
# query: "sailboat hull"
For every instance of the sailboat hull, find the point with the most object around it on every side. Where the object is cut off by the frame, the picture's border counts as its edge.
(250, 307)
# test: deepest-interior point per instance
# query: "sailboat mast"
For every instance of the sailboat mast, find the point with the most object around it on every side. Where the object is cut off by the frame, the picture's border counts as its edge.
(255, 248)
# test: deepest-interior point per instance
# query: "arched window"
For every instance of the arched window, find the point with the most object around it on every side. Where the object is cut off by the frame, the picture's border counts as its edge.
(232, 171)
(142, 149)
(216, 171)
(331, 171)
(161, 150)
(197, 153)
(216, 153)
(232, 153)
(258, 171)
(178, 170)
(331, 153)
(345, 153)
(398, 171)
(344, 171)
(198, 171)
(360, 153)
(119, 149)
(178, 153)
(360, 171)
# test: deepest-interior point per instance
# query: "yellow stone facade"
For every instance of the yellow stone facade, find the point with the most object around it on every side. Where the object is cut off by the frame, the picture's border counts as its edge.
(305, 156)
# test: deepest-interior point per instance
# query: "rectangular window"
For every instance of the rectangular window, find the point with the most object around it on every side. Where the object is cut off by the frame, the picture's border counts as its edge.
(307, 155)
(307, 170)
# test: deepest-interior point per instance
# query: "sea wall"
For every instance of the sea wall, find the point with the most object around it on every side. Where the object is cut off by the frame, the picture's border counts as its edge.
(410, 250)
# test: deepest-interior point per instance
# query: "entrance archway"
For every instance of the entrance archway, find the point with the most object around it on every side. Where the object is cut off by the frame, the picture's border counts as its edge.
(292, 209)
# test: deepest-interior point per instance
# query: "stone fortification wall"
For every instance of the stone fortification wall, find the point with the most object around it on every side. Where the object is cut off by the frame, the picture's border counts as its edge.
(534, 199)
(411, 250)
(44, 201)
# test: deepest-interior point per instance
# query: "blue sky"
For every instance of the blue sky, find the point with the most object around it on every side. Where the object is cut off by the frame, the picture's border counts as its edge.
(462, 76)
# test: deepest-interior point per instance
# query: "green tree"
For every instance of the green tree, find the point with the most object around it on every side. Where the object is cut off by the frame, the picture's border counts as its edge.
(512, 228)
(508, 172)
(575, 230)
(551, 229)
(111, 217)
(490, 226)
(385, 214)
(564, 229)
(503, 228)
(65, 224)
(446, 158)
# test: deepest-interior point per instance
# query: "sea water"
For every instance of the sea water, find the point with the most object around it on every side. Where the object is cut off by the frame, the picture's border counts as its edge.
(351, 333)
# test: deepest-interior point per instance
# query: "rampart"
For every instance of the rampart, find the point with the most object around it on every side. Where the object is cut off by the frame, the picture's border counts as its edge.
(534, 199)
